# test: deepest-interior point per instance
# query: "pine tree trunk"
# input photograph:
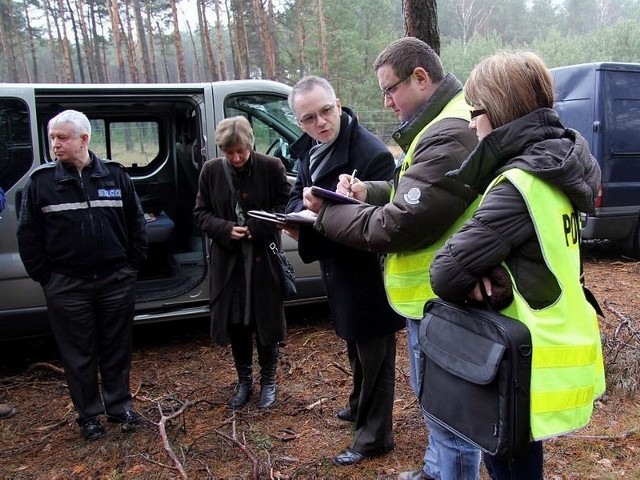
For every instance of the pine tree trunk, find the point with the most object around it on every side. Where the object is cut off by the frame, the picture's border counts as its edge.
(142, 40)
(182, 74)
(117, 42)
(421, 21)
(220, 43)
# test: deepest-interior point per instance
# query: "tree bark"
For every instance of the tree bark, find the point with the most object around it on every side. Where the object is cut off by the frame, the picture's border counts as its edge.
(240, 36)
(215, 72)
(117, 42)
(87, 44)
(152, 49)
(7, 42)
(142, 40)
(32, 46)
(324, 44)
(52, 42)
(64, 39)
(182, 74)
(78, 46)
(129, 43)
(97, 44)
(300, 38)
(421, 21)
(220, 43)
(267, 44)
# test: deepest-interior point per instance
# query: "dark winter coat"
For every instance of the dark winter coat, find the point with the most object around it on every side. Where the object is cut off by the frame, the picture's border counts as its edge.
(400, 226)
(352, 277)
(501, 229)
(83, 227)
(262, 185)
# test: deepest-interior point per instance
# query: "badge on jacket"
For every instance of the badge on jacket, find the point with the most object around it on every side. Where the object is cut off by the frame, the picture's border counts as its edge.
(412, 197)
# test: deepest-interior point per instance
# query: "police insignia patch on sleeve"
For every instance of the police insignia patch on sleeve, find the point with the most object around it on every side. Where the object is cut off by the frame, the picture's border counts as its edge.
(412, 197)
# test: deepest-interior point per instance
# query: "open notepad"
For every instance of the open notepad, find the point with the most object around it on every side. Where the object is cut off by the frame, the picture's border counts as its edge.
(299, 218)
(333, 196)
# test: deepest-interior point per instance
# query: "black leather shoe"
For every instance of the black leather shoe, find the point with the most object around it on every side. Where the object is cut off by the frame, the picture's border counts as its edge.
(128, 417)
(348, 457)
(91, 428)
(345, 415)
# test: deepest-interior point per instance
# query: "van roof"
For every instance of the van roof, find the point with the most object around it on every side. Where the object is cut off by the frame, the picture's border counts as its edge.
(224, 85)
(593, 66)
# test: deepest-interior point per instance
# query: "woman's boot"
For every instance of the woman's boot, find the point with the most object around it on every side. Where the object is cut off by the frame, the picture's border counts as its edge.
(242, 350)
(243, 388)
(268, 359)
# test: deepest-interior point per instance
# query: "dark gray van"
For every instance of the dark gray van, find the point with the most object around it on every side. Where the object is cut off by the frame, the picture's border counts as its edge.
(162, 134)
(602, 101)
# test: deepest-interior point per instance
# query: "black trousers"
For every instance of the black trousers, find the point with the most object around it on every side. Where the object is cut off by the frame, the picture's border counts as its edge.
(92, 321)
(371, 400)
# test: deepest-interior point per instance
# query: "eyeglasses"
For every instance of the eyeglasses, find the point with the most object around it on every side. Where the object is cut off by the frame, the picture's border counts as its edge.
(477, 113)
(387, 92)
(325, 112)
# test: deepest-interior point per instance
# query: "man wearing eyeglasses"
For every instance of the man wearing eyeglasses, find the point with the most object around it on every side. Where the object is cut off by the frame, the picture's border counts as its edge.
(407, 219)
(334, 143)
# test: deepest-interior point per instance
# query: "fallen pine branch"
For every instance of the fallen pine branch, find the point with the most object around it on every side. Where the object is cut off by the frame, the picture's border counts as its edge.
(341, 368)
(313, 405)
(47, 366)
(163, 435)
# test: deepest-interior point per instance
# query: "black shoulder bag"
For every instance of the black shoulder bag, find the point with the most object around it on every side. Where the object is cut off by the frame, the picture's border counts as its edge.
(476, 376)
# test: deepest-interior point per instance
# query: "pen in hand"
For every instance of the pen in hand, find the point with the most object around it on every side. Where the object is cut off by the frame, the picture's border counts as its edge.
(351, 182)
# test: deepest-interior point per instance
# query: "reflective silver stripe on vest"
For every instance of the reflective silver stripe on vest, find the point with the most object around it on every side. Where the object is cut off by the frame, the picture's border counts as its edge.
(61, 207)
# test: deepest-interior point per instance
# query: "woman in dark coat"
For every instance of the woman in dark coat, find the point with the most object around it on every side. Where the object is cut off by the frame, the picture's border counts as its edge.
(245, 290)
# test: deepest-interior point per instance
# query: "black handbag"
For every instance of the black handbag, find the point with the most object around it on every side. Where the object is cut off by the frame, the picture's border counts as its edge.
(476, 376)
(287, 274)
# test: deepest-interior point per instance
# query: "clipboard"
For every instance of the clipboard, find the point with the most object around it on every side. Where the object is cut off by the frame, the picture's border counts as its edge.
(333, 196)
(283, 218)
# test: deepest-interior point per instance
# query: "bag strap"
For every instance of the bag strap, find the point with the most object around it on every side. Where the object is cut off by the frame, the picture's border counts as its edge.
(227, 173)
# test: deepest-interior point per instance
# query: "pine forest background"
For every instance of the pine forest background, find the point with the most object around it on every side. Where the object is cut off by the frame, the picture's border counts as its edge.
(150, 41)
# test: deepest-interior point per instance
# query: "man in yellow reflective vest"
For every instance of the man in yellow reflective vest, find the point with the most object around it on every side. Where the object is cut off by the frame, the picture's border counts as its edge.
(408, 218)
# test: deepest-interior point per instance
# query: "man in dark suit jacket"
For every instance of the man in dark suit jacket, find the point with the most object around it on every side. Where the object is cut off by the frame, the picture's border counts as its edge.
(334, 143)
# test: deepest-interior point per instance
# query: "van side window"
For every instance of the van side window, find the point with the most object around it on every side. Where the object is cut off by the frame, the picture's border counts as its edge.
(274, 125)
(133, 144)
(16, 153)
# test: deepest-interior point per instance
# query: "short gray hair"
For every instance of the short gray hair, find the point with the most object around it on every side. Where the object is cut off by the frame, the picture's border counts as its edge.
(79, 120)
(306, 84)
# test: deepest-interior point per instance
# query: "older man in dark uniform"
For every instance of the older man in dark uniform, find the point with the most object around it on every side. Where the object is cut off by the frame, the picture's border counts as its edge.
(82, 236)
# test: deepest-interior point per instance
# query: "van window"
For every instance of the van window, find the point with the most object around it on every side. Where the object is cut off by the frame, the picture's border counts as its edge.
(622, 88)
(273, 123)
(16, 152)
(133, 144)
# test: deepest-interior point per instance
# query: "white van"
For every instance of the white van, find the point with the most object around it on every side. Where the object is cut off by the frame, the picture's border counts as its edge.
(162, 133)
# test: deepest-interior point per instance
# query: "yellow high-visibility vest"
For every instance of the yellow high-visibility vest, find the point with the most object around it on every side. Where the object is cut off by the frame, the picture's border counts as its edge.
(406, 275)
(567, 372)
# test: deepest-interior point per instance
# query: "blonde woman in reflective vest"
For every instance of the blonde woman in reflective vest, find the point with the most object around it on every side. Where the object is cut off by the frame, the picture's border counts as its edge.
(537, 177)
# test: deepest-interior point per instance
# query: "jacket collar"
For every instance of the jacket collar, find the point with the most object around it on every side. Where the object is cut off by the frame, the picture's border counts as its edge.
(95, 168)
(445, 92)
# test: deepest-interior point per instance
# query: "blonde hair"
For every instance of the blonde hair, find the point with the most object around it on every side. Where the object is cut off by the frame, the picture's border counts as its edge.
(509, 85)
(234, 131)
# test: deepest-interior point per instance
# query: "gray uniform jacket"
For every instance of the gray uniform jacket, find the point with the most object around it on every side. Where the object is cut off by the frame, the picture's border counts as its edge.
(401, 225)
(501, 229)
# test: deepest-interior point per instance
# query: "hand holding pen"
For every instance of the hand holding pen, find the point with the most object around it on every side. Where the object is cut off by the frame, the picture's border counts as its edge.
(352, 180)
(351, 186)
